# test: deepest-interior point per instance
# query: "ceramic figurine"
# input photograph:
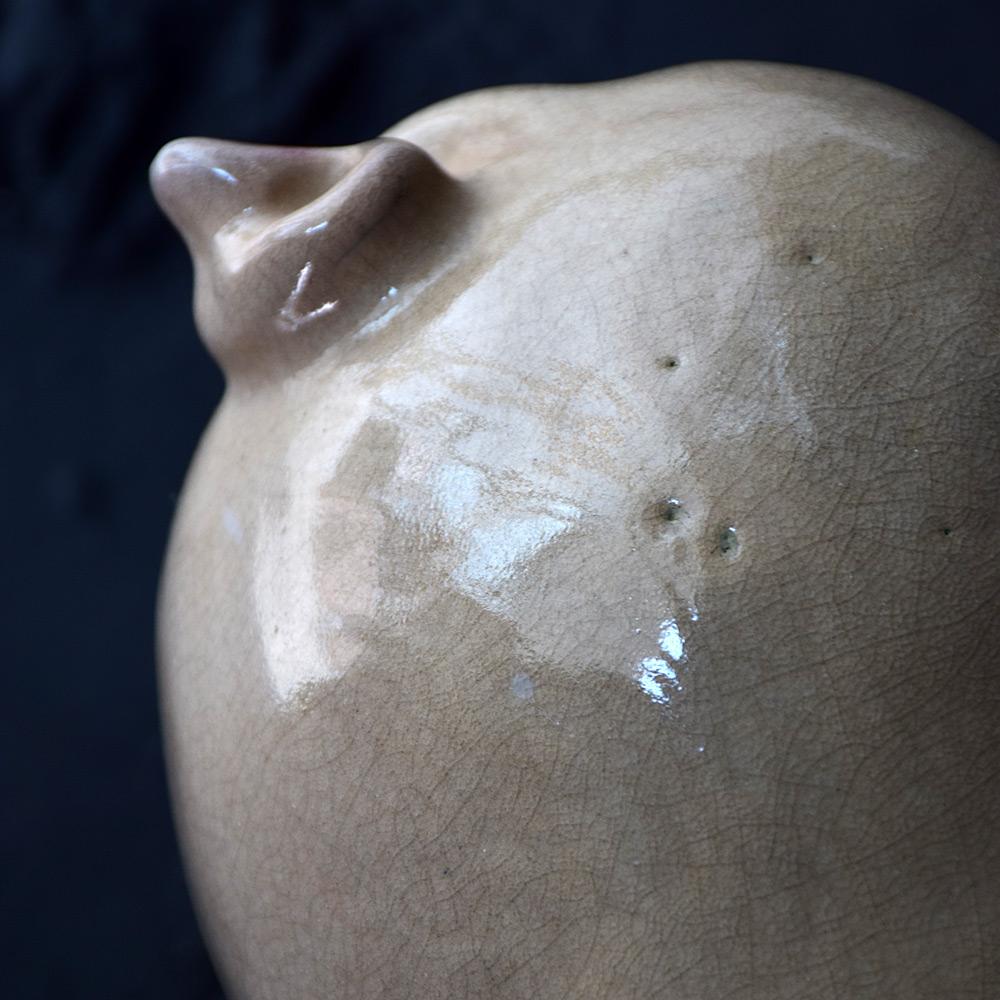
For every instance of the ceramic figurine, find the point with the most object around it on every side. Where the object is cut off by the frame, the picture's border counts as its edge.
(588, 585)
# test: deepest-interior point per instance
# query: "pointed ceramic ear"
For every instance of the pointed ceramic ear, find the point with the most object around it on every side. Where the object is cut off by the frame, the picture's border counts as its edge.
(207, 185)
(273, 232)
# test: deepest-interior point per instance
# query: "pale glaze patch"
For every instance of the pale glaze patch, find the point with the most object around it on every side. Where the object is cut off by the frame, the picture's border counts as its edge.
(310, 620)
(525, 422)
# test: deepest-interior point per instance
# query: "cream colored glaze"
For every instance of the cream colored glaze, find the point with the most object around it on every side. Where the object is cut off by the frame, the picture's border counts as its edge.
(587, 586)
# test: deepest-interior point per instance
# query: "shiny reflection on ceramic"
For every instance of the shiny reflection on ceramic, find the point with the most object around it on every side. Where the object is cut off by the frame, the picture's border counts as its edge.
(660, 676)
(281, 235)
(543, 611)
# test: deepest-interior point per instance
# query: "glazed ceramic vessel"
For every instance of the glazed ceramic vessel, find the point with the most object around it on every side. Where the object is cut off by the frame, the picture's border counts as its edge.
(588, 585)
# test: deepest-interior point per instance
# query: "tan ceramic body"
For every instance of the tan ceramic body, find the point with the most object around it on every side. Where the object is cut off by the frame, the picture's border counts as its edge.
(588, 586)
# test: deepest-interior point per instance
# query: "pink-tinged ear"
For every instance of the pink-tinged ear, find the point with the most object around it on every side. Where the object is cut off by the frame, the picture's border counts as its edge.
(272, 231)
(204, 184)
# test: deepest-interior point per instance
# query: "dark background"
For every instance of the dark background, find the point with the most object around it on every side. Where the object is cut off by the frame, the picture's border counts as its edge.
(105, 388)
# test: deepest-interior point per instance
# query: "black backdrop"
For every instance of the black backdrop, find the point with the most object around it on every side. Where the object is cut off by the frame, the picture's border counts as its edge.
(105, 389)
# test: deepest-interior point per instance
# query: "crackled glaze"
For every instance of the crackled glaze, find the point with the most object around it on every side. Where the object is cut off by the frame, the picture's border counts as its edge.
(584, 588)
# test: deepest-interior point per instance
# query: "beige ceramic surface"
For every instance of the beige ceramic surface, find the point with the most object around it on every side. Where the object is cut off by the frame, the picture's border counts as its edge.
(588, 586)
